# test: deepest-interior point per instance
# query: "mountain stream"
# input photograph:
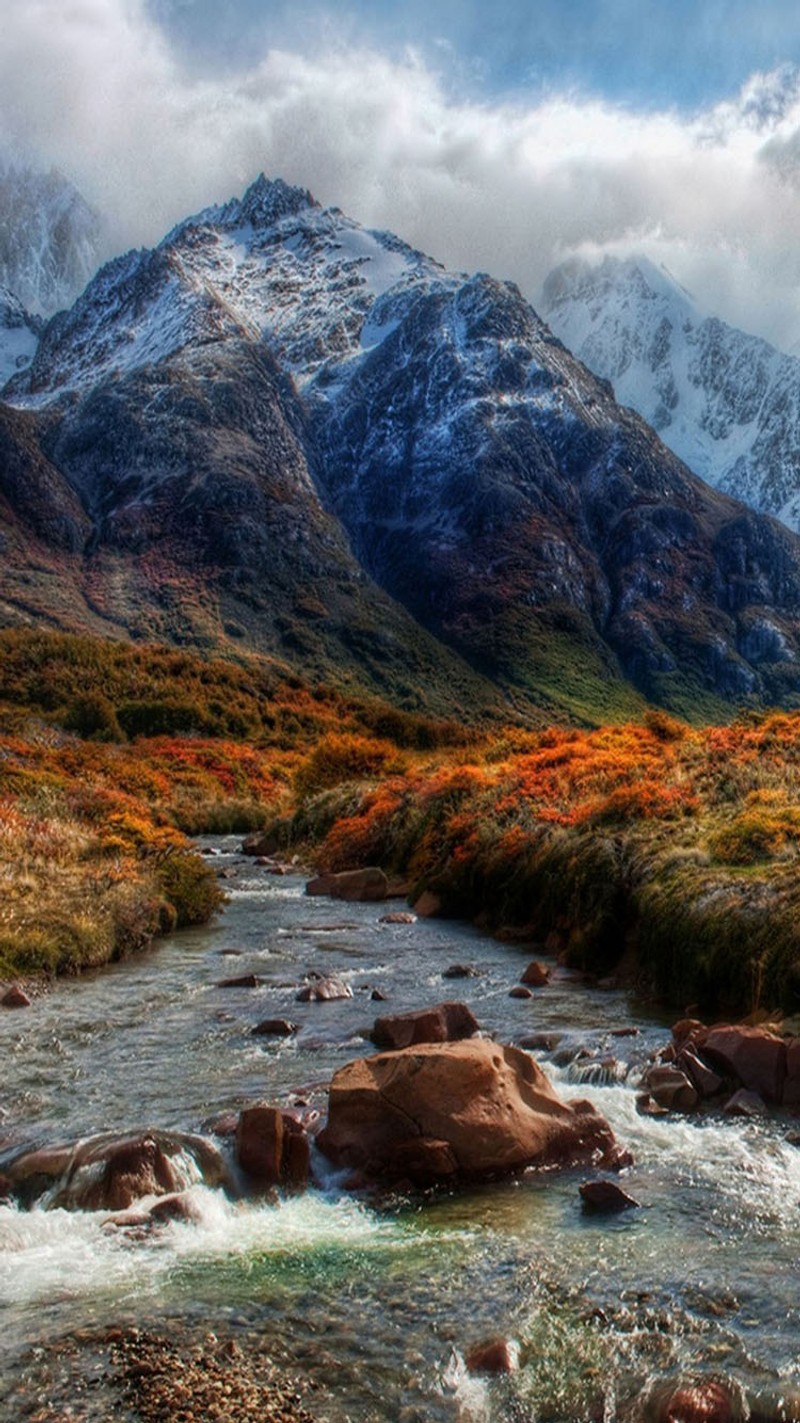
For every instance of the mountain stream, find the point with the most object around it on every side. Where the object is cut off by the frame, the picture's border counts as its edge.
(377, 1304)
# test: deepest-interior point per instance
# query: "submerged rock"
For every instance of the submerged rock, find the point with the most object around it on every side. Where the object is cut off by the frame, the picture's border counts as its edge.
(493, 1356)
(480, 1109)
(274, 1028)
(606, 1197)
(324, 989)
(110, 1173)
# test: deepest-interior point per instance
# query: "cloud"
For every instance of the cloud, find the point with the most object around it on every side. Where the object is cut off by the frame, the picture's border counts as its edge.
(94, 87)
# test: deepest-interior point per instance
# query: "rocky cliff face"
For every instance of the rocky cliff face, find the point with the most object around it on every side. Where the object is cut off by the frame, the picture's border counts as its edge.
(19, 335)
(286, 429)
(726, 403)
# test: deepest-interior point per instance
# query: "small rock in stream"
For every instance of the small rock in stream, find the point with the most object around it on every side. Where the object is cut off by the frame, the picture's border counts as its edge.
(275, 1028)
(606, 1197)
(246, 980)
(15, 997)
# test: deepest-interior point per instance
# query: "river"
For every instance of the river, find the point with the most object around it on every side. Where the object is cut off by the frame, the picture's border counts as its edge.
(378, 1305)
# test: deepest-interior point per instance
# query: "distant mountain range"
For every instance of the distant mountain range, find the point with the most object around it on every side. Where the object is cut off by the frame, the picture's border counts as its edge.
(281, 432)
(728, 404)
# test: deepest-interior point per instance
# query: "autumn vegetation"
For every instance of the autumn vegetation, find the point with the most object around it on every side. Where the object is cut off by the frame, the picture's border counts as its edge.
(664, 853)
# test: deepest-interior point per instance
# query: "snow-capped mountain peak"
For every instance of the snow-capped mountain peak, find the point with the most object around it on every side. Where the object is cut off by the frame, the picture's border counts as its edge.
(726, 402)
(49, 238)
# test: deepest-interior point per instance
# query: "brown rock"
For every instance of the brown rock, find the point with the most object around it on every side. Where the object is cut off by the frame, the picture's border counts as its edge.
(274, 1028)
(629, 1032)
(245, 980)
(754, 1056)
(492, 1105)
(398, 916)
(539, 1042)
(493, 1356)
(646, 1107)
(707, 1402)
(377, 996)
(368, 884)
(707, 1082)
(519, 991)
(445, 1023)
(745, 1104)
(536, 975)
(424, 1161)
(110, 1173)
(460, 970)
(606, 1197)
(178, 1207)
(15, 997)
(324, 989)
(272, 1147)
(428, 905)
(671, 1088)
(686, 1028)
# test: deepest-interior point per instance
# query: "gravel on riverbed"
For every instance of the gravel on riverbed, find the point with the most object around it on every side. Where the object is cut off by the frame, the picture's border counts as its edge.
(140, 1376)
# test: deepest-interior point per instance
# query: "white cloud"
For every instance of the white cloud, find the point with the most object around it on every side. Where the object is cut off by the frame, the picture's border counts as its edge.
(93, 86)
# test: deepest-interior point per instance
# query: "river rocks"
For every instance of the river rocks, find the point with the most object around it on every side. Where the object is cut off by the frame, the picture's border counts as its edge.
(15, 997)
(461, 970)
(744, 1104)
(491, 1106)
(324, 988)
(755, 1057)
(110, 1173)
(444, 1023)
(707, 1082)
(520, 991)
(671, 1088)
(706, 1402)
(245, 980)
(272, 1147)
(536, 975)
(398, 916)
(274, 1028)
(266, 843)
(493, 1356)
(428, 905)
(353, 885)
(686, 1028)
(606, 1197)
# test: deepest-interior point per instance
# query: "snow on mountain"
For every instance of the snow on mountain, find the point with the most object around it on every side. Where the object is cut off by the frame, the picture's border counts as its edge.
(49, 238)
(727, 403)
(275, 399)
(19, 335)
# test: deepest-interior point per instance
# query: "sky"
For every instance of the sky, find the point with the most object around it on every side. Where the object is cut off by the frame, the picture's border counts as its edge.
(502, 138)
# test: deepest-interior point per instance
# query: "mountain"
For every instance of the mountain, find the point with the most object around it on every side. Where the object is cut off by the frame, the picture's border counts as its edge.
(49, 238)
(728, 404)
(19, 335)
(280, 431)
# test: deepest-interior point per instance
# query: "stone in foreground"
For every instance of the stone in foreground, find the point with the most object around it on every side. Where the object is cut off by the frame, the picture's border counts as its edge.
(606, 1197)
(457, 1111)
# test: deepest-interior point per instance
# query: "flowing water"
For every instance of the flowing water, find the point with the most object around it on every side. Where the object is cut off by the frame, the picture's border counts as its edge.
(378, 1304)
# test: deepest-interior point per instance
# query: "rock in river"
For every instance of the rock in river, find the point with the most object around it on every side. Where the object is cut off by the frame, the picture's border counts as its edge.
(455, 1111)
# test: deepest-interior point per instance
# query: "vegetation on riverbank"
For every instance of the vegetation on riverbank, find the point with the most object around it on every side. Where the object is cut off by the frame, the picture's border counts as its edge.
(668, 851)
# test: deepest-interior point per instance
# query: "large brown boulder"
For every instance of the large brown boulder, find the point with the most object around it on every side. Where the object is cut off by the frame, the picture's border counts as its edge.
(110, 1173)
(445, 1023)
(369, 884)
(755, 1057)
(477, 1108)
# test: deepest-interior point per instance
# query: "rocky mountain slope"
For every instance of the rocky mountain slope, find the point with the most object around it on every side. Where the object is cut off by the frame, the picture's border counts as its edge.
(49, 238)
(728, 404)
(281, 429)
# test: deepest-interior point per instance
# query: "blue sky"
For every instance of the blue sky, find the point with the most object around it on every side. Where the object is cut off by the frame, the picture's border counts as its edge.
(502, 138)
(647, 53)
